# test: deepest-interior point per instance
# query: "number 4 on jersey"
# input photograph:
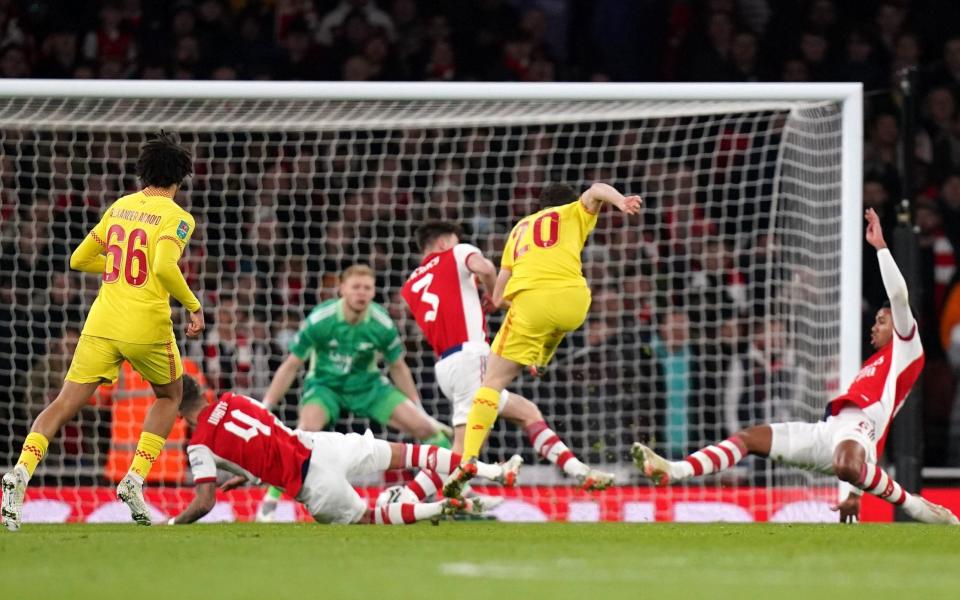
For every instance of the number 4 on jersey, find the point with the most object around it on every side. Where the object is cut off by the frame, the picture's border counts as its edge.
(255, 428)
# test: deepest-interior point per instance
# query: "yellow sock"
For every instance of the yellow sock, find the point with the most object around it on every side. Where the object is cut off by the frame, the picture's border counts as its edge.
(480, 419)
(148, 449)
(34, 448)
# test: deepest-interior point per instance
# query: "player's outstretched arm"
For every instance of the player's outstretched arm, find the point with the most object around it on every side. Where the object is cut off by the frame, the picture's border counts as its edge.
(402, 378)
(89, 256)
(204, 499)
(282, 380)
(600, 193)
(233, 483)
(893, 280)
(168, 272)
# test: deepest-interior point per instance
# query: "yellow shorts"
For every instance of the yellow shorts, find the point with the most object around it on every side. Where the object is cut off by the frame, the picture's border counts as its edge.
(98, 360)
(537, 321)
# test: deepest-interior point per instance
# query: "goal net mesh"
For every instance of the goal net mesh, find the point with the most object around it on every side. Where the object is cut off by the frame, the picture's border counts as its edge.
(717, 308)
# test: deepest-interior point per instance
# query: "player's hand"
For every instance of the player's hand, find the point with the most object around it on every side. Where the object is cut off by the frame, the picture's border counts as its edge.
(232, 483)
(487, 305)
(631, 205)
(196, 326)
(849, 509)
(874, 231)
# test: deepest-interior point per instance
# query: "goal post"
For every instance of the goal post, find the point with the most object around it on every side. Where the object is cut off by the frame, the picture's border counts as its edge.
(749, 247)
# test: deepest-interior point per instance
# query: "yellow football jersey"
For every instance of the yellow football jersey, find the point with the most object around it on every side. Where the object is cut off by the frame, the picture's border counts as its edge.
(133, 305)
(543, 250)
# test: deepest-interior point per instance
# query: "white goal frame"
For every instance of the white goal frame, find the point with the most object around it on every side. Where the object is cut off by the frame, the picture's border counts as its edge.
(848, 95)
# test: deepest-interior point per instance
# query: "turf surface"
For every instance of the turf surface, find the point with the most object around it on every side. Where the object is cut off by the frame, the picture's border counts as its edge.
(480, 560)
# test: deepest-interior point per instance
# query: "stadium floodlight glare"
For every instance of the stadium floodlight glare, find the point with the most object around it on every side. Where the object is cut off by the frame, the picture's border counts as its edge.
(751, 229)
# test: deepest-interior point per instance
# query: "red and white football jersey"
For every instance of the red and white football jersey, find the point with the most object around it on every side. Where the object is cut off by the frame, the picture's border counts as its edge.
(239, 435)
(884, 381)
(443, 297)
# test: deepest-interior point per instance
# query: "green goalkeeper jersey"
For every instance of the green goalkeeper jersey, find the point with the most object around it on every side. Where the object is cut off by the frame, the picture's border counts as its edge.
(343, 356)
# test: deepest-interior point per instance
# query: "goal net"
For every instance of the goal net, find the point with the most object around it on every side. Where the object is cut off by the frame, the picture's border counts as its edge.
(725, 303)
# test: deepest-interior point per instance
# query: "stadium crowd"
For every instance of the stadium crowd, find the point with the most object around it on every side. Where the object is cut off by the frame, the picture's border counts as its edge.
(258, 308)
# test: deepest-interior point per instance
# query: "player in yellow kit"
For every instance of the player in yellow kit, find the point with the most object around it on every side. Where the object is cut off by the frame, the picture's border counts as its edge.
(135, 247)
(541, 280)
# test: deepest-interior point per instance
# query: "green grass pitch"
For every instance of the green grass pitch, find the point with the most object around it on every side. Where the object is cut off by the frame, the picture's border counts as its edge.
(480, 560)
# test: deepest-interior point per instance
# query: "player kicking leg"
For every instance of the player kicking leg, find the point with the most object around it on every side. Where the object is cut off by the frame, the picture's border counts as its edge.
(540, 264)
(807, 445)
(444, 298)
(521, 412)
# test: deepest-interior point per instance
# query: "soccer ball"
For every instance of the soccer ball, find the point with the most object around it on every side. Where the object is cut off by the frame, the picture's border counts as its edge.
(390, 495)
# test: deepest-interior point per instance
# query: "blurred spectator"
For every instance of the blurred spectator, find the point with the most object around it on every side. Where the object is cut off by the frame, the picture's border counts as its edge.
(59, 55)
(813, 50)
(335, 24)
(881, 152)
(862, 61)
(299, 59)
(111, 40)
(13, 62)
(946, 72)
(935, 244)
(743, 57)
(671, 347)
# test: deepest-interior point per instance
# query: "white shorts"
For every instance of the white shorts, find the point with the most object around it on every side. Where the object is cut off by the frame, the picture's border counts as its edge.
(336, 457)
(460, 375)
(811, 445)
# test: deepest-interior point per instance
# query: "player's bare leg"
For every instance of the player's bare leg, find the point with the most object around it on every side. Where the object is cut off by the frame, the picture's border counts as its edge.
(72, 397)
(313, 417)
(156, 427)
(850, 465)
(753, 440)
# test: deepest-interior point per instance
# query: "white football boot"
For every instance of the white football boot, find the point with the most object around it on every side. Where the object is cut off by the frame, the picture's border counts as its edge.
(927, 512)
(654, 467)
(130, 492)
(14, 489)
(596, 481)
(510, 469)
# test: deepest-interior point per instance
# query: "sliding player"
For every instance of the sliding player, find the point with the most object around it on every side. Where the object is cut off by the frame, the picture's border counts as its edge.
(442, 294)
(540, 263)
(238, 434)
(135, 247)
(844, 444)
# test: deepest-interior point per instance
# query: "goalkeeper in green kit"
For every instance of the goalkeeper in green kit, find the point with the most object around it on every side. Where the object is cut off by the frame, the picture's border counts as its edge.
(341, 340)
